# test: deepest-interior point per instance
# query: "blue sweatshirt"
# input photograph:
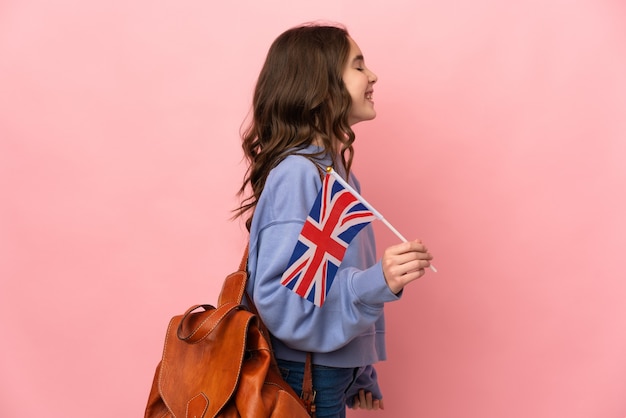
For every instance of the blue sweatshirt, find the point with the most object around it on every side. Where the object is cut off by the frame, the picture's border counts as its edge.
(348, 330)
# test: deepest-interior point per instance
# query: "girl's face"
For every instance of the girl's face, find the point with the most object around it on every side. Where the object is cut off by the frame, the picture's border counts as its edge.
(359, 82)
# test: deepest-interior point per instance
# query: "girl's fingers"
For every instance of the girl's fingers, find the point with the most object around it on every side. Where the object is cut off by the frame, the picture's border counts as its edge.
(409, 257)
(365, 400)
(409, 267)
(407, 247)
(375, 404)
(362, 399)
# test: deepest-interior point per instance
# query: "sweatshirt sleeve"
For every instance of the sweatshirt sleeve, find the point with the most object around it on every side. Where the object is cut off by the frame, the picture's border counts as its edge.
(365, 379)
(357, 296)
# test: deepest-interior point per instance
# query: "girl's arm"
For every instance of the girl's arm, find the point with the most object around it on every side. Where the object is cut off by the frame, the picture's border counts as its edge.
(357, 295)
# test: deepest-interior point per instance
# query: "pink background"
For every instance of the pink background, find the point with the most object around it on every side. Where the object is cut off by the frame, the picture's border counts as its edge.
(500, 141)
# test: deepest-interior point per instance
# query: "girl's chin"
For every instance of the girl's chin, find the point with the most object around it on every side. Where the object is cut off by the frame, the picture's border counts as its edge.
(354, 121)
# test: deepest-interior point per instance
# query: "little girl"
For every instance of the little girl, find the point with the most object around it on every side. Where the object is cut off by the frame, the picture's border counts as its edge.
(313, 87)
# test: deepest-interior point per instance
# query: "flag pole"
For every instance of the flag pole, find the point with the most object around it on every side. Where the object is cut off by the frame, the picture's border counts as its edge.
(376, 213)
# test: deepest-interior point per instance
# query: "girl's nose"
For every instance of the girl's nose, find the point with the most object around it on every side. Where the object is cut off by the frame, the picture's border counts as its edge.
(372, 77)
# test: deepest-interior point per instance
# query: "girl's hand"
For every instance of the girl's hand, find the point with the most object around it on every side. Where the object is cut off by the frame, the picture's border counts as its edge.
(364, 401)
(404, 263)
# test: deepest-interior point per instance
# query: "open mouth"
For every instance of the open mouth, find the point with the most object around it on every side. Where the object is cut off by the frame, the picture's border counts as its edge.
(369, 95)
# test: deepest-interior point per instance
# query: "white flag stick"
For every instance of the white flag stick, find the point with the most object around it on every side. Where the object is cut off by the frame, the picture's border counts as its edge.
(370, 207)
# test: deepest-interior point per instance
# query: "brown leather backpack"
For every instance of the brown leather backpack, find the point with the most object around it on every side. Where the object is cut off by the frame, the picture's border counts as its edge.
(218, 363)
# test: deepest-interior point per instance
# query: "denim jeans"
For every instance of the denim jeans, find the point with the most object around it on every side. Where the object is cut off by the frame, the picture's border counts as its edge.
(330, 384)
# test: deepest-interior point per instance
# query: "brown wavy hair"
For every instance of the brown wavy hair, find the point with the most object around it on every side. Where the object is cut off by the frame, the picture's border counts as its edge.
(299, 99)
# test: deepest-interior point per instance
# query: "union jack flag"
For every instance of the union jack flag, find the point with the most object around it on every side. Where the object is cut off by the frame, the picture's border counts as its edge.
(335, 218)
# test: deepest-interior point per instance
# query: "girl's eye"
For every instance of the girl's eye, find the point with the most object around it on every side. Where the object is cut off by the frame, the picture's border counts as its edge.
(359, 69)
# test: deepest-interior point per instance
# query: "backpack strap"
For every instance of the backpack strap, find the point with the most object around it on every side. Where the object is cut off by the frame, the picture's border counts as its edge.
(320, 170)
(235, 292)
(308, 393)
(234, 285)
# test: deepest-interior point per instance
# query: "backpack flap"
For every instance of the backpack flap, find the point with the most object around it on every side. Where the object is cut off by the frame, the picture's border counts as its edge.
(202, 356)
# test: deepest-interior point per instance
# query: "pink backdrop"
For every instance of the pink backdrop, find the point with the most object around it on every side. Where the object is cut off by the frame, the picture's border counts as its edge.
(500, 141)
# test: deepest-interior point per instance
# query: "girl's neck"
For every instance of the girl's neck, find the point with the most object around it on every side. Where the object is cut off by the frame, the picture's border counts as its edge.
(336, 145)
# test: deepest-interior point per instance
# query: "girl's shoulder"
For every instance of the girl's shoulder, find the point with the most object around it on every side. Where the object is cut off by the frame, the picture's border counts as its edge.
(298, 167)
(289, 192)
